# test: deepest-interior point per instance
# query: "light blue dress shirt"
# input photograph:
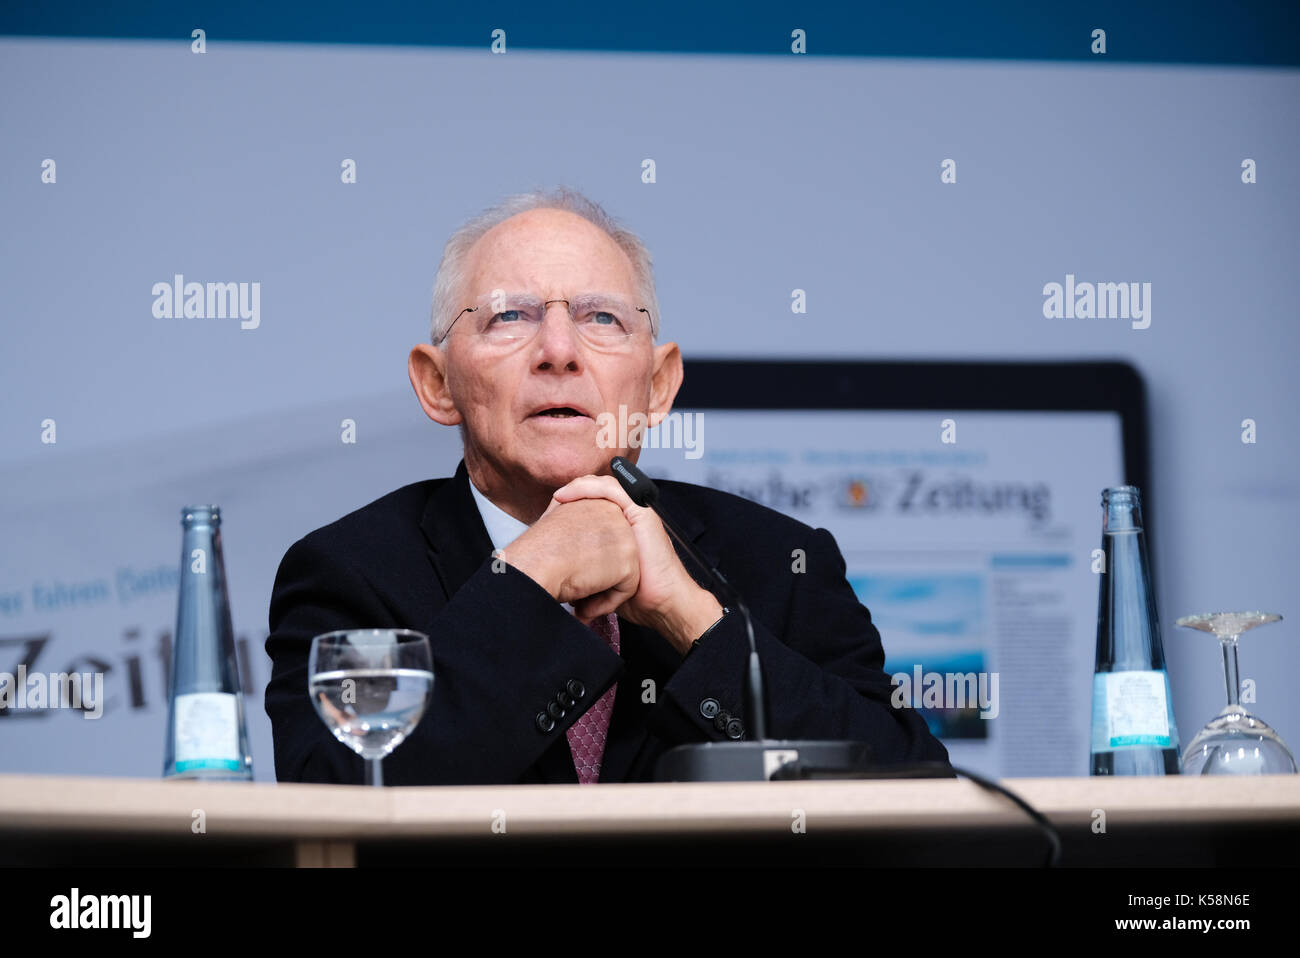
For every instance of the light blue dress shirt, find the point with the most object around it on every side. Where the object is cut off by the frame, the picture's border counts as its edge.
(502, 527)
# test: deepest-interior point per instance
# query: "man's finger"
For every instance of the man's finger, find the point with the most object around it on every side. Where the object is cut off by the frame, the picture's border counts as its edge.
(595, 487)
(600, 605)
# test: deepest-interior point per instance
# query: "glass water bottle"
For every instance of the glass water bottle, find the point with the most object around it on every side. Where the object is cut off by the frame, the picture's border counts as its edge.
(206, 733)
(1133, 730)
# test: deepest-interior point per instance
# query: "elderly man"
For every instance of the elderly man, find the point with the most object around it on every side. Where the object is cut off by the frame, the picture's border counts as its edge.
(570, 642)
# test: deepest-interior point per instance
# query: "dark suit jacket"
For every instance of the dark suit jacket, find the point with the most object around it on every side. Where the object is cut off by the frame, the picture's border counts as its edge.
(420, 558)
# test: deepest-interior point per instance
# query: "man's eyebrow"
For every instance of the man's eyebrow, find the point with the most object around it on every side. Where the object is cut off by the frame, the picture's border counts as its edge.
(519, 299)
(529, 299)
(599, 297)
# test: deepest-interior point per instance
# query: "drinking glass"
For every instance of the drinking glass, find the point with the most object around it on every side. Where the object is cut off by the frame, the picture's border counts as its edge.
(1235, 742)
(370, 687)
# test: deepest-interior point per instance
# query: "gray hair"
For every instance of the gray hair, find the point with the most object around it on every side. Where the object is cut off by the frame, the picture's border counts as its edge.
(450, 279)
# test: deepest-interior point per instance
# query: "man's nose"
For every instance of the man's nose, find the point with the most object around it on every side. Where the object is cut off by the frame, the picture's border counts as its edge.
(557, 341)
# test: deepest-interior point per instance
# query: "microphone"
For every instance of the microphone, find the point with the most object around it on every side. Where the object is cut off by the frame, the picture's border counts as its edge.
(642, 491)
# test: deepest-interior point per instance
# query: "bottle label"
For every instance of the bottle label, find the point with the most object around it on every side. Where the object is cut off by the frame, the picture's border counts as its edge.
(1130, 710)
(207, 731)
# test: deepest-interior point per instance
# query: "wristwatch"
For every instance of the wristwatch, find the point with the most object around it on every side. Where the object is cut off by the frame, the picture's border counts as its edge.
(705, 633)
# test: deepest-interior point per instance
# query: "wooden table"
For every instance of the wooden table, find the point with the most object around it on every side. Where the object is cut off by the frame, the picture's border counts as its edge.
(1130, 821)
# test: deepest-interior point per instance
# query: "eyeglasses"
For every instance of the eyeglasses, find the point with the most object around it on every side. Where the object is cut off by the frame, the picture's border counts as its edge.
(507, 319)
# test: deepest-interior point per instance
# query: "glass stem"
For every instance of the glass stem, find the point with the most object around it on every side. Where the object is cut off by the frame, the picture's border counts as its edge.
(1230, 670)
(375, 771)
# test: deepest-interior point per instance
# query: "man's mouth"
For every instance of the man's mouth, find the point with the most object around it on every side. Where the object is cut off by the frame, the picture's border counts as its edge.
(560, 412)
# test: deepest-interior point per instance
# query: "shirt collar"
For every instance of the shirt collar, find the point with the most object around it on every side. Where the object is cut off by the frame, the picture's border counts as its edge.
(502, 528)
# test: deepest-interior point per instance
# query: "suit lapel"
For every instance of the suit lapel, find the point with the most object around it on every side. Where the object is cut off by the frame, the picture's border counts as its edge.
(458, 541)
(691, 528)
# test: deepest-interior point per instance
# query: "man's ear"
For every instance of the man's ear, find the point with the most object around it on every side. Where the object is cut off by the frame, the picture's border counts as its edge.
(427, 367)
(665, 380)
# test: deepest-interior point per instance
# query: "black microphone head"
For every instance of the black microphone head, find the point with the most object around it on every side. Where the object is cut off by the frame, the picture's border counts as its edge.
(635, 483)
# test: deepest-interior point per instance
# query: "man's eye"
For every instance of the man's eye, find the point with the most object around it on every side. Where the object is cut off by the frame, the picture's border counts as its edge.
(603, 319)
(507, 316)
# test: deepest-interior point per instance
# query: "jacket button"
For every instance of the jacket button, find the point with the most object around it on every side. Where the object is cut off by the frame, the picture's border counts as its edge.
(709, 708)
(735, 728)
(565, 699)
(544, 722)
(575, 688)
(554, 710)
(721, 719)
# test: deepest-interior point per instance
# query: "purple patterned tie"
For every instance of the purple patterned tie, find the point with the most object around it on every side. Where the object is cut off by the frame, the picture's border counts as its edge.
(587, 735)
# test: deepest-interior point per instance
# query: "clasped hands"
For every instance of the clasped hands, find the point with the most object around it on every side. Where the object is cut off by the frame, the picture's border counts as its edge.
(597, 550)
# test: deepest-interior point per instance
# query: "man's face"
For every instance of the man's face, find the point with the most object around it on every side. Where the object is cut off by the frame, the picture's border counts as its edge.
(501, 394)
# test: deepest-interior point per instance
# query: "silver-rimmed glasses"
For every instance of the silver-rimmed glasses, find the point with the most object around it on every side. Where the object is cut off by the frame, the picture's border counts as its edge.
(603, 321)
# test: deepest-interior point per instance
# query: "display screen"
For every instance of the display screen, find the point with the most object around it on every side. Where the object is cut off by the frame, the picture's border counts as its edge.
(968, 535)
